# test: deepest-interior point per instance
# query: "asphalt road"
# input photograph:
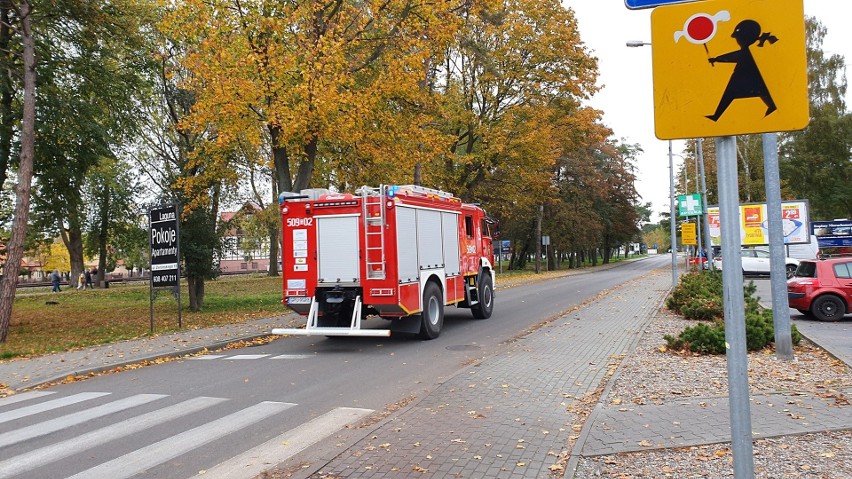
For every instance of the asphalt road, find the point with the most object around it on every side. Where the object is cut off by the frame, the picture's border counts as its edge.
(176, 419)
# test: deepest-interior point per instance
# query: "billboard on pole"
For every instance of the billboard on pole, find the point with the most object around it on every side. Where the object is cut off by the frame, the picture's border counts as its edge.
(754, 227)
(165, 255)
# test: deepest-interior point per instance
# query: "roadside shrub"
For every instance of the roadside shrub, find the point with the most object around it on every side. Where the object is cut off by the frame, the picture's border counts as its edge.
(702, 338)
(699, 296)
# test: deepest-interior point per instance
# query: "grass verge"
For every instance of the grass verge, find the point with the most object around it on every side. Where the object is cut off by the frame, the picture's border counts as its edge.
(45, 322)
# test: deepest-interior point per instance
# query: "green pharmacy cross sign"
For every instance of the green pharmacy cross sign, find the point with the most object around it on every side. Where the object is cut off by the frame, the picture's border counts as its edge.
(689, 205)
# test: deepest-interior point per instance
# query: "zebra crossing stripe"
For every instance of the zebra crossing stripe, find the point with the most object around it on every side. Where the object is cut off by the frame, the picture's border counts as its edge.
(48, 406)
(23, 397)
(60, 423)
(143, 459)
(255, 461)
(13, 466)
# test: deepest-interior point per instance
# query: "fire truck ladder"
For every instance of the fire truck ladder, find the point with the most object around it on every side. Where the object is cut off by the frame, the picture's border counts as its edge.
(374, 231)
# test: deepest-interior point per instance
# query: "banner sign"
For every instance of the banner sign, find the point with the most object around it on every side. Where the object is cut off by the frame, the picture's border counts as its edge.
(832, 234)
(754, 225)
(165, 254)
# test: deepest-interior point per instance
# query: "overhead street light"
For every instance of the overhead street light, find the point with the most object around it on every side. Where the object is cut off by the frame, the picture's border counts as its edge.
(640, 43)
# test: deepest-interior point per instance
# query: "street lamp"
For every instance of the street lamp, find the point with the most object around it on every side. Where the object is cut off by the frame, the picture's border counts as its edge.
(636, 44)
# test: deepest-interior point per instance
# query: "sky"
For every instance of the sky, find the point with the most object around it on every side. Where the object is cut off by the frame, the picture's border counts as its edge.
(626, 77)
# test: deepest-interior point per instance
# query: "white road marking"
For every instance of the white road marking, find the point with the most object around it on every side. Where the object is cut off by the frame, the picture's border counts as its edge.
(255, 461)
(60, 423)
(13, 466)
(248, 356)
(23, 397)
(47, 406)
(293, 356)
(147, 457)
(209, 356)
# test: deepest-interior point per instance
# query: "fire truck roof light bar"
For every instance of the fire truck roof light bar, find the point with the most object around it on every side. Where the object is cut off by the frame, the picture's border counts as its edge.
(420, 190)
(290, 196)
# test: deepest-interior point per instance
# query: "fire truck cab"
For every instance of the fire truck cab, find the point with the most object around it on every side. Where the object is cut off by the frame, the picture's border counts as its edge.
(402, 253)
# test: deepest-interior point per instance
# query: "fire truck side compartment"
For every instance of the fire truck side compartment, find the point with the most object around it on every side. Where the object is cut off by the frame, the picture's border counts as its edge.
(406, 244)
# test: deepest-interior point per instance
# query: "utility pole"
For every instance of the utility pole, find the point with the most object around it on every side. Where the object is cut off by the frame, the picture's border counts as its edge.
(777, 266)
(708, 244)
(672, 212)
(538, 239)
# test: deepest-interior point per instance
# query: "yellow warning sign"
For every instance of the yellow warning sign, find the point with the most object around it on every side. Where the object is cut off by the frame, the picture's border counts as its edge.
(688, 234)
(729, 67)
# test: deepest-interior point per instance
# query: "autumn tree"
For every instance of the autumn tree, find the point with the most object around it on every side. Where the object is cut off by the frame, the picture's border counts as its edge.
(302, 74)
(19, 17)
(189, 168)
(816, 163)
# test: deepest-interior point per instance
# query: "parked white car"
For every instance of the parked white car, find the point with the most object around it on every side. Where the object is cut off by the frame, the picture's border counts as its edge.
(756, 261)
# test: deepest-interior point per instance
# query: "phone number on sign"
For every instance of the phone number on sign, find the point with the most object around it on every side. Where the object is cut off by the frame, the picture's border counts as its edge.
(164, 278)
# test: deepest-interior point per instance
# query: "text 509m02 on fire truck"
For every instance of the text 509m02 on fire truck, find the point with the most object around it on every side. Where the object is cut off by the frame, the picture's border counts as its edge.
(399, 252)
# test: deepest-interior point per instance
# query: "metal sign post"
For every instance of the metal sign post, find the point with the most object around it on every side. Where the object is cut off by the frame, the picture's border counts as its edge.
(734, 307)
(723, 68)
(777, 266)
(164, 227)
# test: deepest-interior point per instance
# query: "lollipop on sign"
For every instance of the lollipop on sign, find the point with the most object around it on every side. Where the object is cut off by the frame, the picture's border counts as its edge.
(701, 28)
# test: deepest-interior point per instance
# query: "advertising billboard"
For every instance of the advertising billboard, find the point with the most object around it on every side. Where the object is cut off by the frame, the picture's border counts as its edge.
(832, 234)
(165, 256)
(754, 224)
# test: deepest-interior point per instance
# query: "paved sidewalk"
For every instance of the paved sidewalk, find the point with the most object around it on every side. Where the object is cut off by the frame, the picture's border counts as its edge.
(511, 415)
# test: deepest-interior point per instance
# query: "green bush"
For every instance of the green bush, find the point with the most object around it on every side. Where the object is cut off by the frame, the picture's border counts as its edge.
(699, 296)
(702, 338)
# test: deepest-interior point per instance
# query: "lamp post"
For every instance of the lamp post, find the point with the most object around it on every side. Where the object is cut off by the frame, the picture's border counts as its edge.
(672, 212)
(672, 219)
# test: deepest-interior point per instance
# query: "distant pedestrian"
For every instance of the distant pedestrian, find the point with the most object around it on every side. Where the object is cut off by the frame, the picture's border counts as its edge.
(89, 279)
(81, 281)
(54, 279)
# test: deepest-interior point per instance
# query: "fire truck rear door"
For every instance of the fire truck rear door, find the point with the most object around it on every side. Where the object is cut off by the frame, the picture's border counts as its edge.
(337, 249)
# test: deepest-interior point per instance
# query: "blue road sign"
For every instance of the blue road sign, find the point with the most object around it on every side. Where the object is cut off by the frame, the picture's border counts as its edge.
(638, 4)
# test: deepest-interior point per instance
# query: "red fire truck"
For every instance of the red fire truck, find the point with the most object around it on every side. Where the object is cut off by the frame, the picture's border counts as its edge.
(398, 252)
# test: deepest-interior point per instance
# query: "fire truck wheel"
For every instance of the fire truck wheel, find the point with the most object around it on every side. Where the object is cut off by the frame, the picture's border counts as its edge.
(483, 309)
(432, 316)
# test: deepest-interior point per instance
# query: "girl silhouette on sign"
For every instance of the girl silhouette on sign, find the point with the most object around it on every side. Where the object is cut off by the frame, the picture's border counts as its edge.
(746, 81)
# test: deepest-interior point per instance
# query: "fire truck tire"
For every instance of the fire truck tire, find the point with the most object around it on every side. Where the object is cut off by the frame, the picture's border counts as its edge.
(432, 316)
(483, 309)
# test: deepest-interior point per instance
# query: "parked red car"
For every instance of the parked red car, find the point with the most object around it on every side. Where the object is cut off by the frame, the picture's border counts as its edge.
(822, 288)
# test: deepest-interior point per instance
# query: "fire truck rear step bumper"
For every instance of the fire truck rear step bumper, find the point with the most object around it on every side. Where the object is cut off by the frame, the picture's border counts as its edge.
(333, 332)
(354, 329)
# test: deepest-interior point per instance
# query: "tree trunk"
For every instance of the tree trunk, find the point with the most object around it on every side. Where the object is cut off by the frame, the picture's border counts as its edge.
(73, 240)
(7, 112)
(195, 285)
(280, 161)
(103, 237)
(15, 248)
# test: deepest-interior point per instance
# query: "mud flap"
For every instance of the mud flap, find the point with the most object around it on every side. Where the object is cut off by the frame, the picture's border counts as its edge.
(408, 324)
